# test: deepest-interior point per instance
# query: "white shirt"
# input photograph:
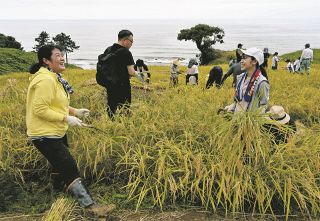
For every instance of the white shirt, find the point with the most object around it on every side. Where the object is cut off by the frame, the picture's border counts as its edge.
(275, 60)
(307, 53)
(193, 70)
(297, 64)
(290, 66)
(196, 69)
(242, 105)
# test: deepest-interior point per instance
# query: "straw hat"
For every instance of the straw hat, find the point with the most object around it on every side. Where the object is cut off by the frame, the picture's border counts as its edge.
(278, 114)
(176, 62)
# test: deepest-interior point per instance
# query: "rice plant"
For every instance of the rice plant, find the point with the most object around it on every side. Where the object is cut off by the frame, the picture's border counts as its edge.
(176, 150)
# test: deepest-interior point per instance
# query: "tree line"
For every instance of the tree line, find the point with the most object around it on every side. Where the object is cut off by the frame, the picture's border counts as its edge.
(63, 40)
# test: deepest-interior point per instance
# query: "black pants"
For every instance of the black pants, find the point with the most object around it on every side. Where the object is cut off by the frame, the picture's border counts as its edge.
(57, 153)
(118, 96)
(189, 75)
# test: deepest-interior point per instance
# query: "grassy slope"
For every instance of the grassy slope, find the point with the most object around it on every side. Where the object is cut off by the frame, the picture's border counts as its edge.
(296, 54)
(14, 60)
(226, 56)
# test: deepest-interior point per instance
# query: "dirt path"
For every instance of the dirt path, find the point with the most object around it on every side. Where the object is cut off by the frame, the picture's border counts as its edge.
(167, 216)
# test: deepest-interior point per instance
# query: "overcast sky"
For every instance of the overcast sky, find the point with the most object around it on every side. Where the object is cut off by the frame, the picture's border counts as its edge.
(160, 9)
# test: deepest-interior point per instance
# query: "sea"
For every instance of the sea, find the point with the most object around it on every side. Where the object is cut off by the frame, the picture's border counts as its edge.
(155, 41)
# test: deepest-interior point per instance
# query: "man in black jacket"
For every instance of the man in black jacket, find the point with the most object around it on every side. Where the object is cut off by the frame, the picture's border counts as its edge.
(119, 93)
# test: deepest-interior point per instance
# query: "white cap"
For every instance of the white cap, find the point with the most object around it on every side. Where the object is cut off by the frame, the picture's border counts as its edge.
(256, 53)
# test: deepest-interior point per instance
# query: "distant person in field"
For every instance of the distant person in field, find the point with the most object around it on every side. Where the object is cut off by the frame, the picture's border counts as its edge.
(48, 116)
(252, 88)
(214, 77)
(305, 59)
(283, 127)
(296, 65)
(266, 56)
(290, 67)
(119, 92)
(234, 70)
(192, 70)
(174, 72)
(238, 52)
(142, 70)
(275, 61)
(232, 62)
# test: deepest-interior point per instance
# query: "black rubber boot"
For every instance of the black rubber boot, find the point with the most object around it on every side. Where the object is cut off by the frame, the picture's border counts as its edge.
(80, 192)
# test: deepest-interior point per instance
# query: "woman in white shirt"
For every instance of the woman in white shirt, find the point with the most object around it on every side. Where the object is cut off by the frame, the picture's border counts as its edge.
(193, 70)
(252, 89)
(275, 60)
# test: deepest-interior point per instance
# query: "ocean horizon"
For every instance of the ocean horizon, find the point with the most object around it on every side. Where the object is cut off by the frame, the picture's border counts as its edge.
(155, 41)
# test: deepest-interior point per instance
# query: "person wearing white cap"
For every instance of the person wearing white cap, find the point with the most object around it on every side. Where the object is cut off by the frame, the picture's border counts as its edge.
(278, 115)
(252, 87)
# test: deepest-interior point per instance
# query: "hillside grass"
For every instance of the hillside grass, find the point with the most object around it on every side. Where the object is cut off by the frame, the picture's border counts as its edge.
(174, 151)
(294, 55)
(14, 60)
(226, 56)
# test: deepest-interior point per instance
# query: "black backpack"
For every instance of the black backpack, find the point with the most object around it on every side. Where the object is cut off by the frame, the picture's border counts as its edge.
(107, 68)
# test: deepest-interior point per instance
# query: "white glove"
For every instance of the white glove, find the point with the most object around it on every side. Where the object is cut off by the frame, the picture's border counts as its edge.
(138, 75)
(81, 112)
(230, 108)
(74, 121)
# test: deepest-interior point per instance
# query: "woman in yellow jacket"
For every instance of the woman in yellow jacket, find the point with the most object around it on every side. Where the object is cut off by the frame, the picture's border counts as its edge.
(48, 116)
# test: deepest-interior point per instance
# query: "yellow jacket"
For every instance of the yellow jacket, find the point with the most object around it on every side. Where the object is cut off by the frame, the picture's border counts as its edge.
(47, 104)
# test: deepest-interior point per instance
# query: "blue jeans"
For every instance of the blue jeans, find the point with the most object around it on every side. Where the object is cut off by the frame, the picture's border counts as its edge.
(305, 65)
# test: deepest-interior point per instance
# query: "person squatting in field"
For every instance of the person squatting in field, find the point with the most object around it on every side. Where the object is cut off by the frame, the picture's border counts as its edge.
(48, 116)
(281, 125)
(214, 77)
(252, 87)
(142, 70)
